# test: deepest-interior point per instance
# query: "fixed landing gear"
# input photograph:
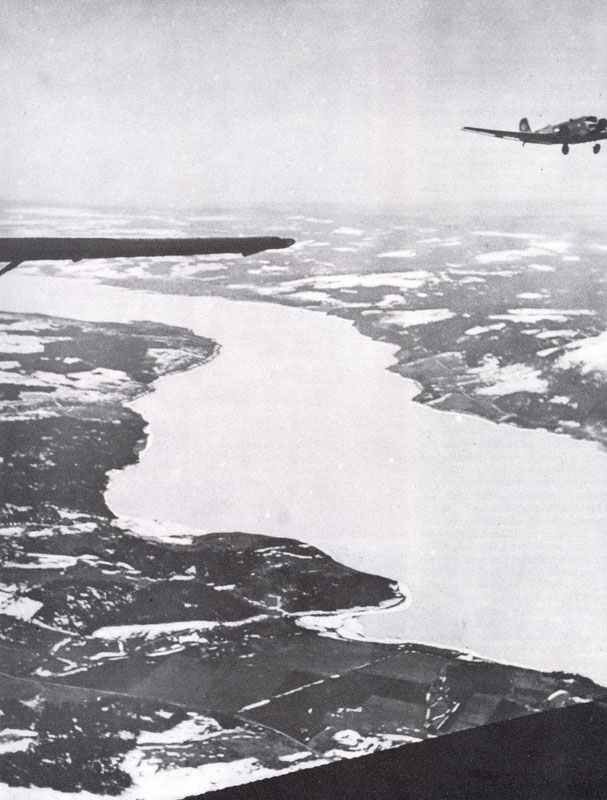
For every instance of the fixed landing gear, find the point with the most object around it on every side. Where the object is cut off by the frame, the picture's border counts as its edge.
(565, 149)
(596, 148)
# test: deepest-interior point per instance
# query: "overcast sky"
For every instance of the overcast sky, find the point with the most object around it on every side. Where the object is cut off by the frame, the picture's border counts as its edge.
(214, 101)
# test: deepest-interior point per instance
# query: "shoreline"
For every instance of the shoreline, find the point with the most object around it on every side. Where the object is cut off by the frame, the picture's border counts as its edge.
(405, 370)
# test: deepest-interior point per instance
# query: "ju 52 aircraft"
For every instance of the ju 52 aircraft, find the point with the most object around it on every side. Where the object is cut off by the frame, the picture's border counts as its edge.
(574, 131)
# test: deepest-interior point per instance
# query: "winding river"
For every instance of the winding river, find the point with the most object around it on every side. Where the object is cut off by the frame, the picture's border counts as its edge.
(297, 429)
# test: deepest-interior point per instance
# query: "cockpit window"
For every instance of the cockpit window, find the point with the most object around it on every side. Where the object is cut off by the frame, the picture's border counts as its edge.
(591, 119)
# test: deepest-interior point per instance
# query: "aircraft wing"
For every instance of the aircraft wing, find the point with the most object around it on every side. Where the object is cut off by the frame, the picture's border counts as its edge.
(15, 250)
(521, 136)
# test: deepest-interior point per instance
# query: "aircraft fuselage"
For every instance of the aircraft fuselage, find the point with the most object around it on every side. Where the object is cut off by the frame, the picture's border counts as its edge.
(574, 131)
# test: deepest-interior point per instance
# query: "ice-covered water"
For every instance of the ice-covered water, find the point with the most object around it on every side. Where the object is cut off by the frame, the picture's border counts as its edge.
(297, 429)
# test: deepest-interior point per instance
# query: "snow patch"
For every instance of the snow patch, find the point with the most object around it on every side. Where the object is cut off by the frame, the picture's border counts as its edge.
(345, 231)
(172, 783)
(194, 729)
(402, 280)
(391, 300)
(541, 267)
(152, 629)
(588, 356)
(484, 329)
(14, 740)
(10, 343)
(534, 315)
(508, 379)
(292, 757)
(316, 297)
(43, 561)
(557, 334)
(20, 607)
(397, 254)
(499, 256)
(424, 316)
(413, 279)
(505, 235)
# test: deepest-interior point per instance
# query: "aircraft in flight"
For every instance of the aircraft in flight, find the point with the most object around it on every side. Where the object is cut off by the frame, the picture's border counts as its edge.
(574, 131)
(14, 251)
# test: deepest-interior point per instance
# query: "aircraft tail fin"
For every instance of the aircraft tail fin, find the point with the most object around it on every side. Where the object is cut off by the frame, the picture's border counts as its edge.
(524, 126)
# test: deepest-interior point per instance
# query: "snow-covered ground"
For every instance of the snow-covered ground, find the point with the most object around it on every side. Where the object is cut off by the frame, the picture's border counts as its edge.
(424, 316)
(589, 355)
(508, 379)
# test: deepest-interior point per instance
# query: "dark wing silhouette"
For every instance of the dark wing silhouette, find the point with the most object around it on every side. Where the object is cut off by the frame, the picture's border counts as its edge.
(16, 250)
(521, 136)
